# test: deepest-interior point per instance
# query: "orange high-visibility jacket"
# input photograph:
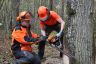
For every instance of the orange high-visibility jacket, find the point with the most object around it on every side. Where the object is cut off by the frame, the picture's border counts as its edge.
(21, 40)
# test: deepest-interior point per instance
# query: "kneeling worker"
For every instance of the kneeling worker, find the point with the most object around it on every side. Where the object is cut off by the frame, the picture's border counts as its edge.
(23, 38)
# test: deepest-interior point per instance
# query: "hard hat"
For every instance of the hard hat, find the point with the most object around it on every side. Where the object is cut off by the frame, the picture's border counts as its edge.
(43, 13)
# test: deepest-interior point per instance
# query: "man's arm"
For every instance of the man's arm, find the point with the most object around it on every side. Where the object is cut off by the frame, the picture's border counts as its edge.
(22, 38)
(59, 19)
(62, 27)
(43, 32)
(42, 26)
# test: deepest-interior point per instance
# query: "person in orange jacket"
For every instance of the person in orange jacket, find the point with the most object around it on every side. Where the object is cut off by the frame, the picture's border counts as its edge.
(23, 38)
(49, 21)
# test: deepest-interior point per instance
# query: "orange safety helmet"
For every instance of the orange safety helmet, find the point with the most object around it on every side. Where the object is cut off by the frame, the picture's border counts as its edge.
(25, 15)
(43, 13)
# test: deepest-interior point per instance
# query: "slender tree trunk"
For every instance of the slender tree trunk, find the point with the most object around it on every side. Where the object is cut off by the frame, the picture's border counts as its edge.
(15, 10)
(1, 3)
(94, 34)
(62, 9)
(51, 2)
(80, 30)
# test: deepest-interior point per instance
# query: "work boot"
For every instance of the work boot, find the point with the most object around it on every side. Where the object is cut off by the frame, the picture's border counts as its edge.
(61, 54)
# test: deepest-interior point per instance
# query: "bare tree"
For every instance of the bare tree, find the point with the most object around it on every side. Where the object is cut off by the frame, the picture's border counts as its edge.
(15, 11)
(94, 33)
(51, 3)
(62, 10)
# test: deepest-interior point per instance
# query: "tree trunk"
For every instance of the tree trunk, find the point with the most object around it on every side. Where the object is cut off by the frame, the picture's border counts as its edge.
(80, 30)
(62, 11)
(15, 10)
(94, 34)
(51, 2)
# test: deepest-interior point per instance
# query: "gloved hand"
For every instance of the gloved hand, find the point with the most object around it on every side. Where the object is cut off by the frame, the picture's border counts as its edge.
(26, 38)
(43, 38)
(59, 34)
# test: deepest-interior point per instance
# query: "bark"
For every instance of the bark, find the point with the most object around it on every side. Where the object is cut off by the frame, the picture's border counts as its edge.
(15, 10)
(62, 10)
(80, 30)
(1, 3)
(94, 34)
(51, 2)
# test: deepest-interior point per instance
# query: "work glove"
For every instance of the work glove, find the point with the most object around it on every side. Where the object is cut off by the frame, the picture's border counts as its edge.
(26, 38)
(39, 40)
(59, 34)
(43, 38)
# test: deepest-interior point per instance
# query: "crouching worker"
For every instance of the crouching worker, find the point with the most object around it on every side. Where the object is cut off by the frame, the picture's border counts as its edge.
(50, 21)
(23, 38)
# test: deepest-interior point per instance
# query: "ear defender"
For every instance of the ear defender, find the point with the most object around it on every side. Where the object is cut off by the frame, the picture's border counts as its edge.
(23, 17)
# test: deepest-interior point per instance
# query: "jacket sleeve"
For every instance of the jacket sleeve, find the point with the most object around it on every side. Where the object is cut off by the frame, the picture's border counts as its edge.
(56, 16)
(20, 36)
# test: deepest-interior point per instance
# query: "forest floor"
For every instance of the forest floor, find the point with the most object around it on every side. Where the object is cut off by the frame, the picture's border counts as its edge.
(6, 56)
(51, 55)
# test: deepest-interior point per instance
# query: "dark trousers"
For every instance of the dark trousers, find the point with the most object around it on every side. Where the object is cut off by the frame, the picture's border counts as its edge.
(25, 57)
(48, 30)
